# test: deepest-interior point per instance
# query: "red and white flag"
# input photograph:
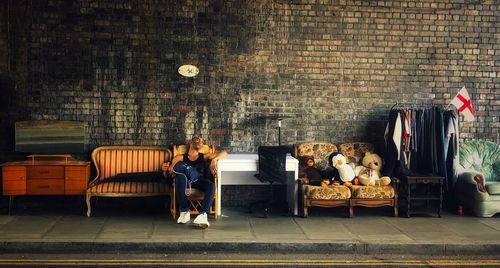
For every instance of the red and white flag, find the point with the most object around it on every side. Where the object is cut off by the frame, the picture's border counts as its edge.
(464, 104)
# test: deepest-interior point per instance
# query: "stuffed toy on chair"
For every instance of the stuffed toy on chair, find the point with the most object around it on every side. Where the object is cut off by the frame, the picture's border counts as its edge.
(346, 172)
(314, 174)
(369, 173)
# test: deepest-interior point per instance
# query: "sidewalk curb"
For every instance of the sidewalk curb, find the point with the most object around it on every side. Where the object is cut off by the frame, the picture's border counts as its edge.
(12, 246)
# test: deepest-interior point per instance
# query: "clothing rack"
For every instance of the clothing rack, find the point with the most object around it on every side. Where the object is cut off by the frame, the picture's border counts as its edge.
(421, 138)
(400, 106)
(405, 106)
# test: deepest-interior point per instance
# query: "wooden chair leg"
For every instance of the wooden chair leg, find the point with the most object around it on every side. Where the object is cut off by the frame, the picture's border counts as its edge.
(89, 209)
(306, 212)
(215, 212)
(351, 211)
(173, 209)
(173, 202)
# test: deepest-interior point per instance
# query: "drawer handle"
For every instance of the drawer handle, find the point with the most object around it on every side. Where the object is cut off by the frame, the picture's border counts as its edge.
(44, 186)
(425, 181)
(44, 172)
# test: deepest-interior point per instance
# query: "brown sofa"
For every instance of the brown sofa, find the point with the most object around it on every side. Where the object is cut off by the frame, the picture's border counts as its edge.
(334, 196)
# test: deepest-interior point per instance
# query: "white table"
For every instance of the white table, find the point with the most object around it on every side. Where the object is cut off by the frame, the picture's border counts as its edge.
(250, 163)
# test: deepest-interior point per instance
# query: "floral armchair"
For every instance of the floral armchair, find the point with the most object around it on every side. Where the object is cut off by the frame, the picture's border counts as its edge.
(368, 196)
(312, 195)
(478, 184)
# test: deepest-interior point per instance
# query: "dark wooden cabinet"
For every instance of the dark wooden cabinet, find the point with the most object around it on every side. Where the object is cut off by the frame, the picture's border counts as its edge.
(54, 175)
(421, 194)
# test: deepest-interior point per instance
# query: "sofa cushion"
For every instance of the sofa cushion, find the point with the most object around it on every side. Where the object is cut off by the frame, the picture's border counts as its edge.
(138, 176)
(372, 192)
(328, 193)
(493, 188)
(130, 188)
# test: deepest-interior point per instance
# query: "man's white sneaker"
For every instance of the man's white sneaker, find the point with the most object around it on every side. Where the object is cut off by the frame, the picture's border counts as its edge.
(201, 221)
(185, 217)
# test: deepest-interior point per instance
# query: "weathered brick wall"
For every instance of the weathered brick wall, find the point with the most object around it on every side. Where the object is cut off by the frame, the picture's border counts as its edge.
(14, 84)
(334, 67)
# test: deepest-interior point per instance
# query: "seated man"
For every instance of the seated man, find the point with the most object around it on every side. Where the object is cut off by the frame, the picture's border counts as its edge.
(191, 170)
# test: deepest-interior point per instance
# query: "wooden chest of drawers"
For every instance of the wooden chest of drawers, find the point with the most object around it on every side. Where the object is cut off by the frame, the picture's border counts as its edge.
(25, 178)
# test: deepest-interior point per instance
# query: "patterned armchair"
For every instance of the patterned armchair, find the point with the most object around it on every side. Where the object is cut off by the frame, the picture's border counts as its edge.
(478, 184)
(368, 196)
(311, 195)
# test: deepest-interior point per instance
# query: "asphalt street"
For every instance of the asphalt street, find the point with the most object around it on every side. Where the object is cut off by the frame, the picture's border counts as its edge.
(242, 259)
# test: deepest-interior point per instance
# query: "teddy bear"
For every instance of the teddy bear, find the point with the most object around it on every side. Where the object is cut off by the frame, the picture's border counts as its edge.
(369, 172)
(346, 173)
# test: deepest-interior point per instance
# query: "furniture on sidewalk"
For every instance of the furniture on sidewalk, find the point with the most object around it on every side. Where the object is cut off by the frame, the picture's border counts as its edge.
(478, 184)
(196, 197)
(369, 196)
(128, 171)
(318, 196)
(45, 175)
(334, 196)
(417, 189)
(249, 163)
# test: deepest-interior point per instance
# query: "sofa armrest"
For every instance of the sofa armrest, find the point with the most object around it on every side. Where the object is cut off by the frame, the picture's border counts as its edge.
(94, 182)
(468, 177)
(472, 184)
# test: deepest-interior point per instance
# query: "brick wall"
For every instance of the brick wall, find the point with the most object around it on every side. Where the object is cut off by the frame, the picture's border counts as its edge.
(334, 67)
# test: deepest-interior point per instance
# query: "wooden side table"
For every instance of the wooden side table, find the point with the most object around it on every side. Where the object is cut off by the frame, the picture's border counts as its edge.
(421, 188)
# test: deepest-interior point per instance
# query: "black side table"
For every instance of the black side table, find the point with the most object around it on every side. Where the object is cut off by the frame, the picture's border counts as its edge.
(421, 188)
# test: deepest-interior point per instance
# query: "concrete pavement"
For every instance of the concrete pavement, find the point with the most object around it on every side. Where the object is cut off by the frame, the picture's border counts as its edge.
(371, 231)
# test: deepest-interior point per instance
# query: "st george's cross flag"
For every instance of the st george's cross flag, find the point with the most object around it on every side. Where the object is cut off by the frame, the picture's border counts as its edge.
(464, 104)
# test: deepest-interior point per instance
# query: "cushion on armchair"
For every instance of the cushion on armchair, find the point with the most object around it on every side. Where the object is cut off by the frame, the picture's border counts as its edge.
(328, 193)
(372, 192)
(493, 188)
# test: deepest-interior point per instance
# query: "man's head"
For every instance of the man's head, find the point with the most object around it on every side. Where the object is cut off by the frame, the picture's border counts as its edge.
(196, 142)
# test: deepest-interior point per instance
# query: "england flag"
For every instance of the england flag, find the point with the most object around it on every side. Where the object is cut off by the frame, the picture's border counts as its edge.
(464, 104)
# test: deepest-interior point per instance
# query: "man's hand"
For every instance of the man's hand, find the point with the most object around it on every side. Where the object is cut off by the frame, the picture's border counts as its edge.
(213, 166)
